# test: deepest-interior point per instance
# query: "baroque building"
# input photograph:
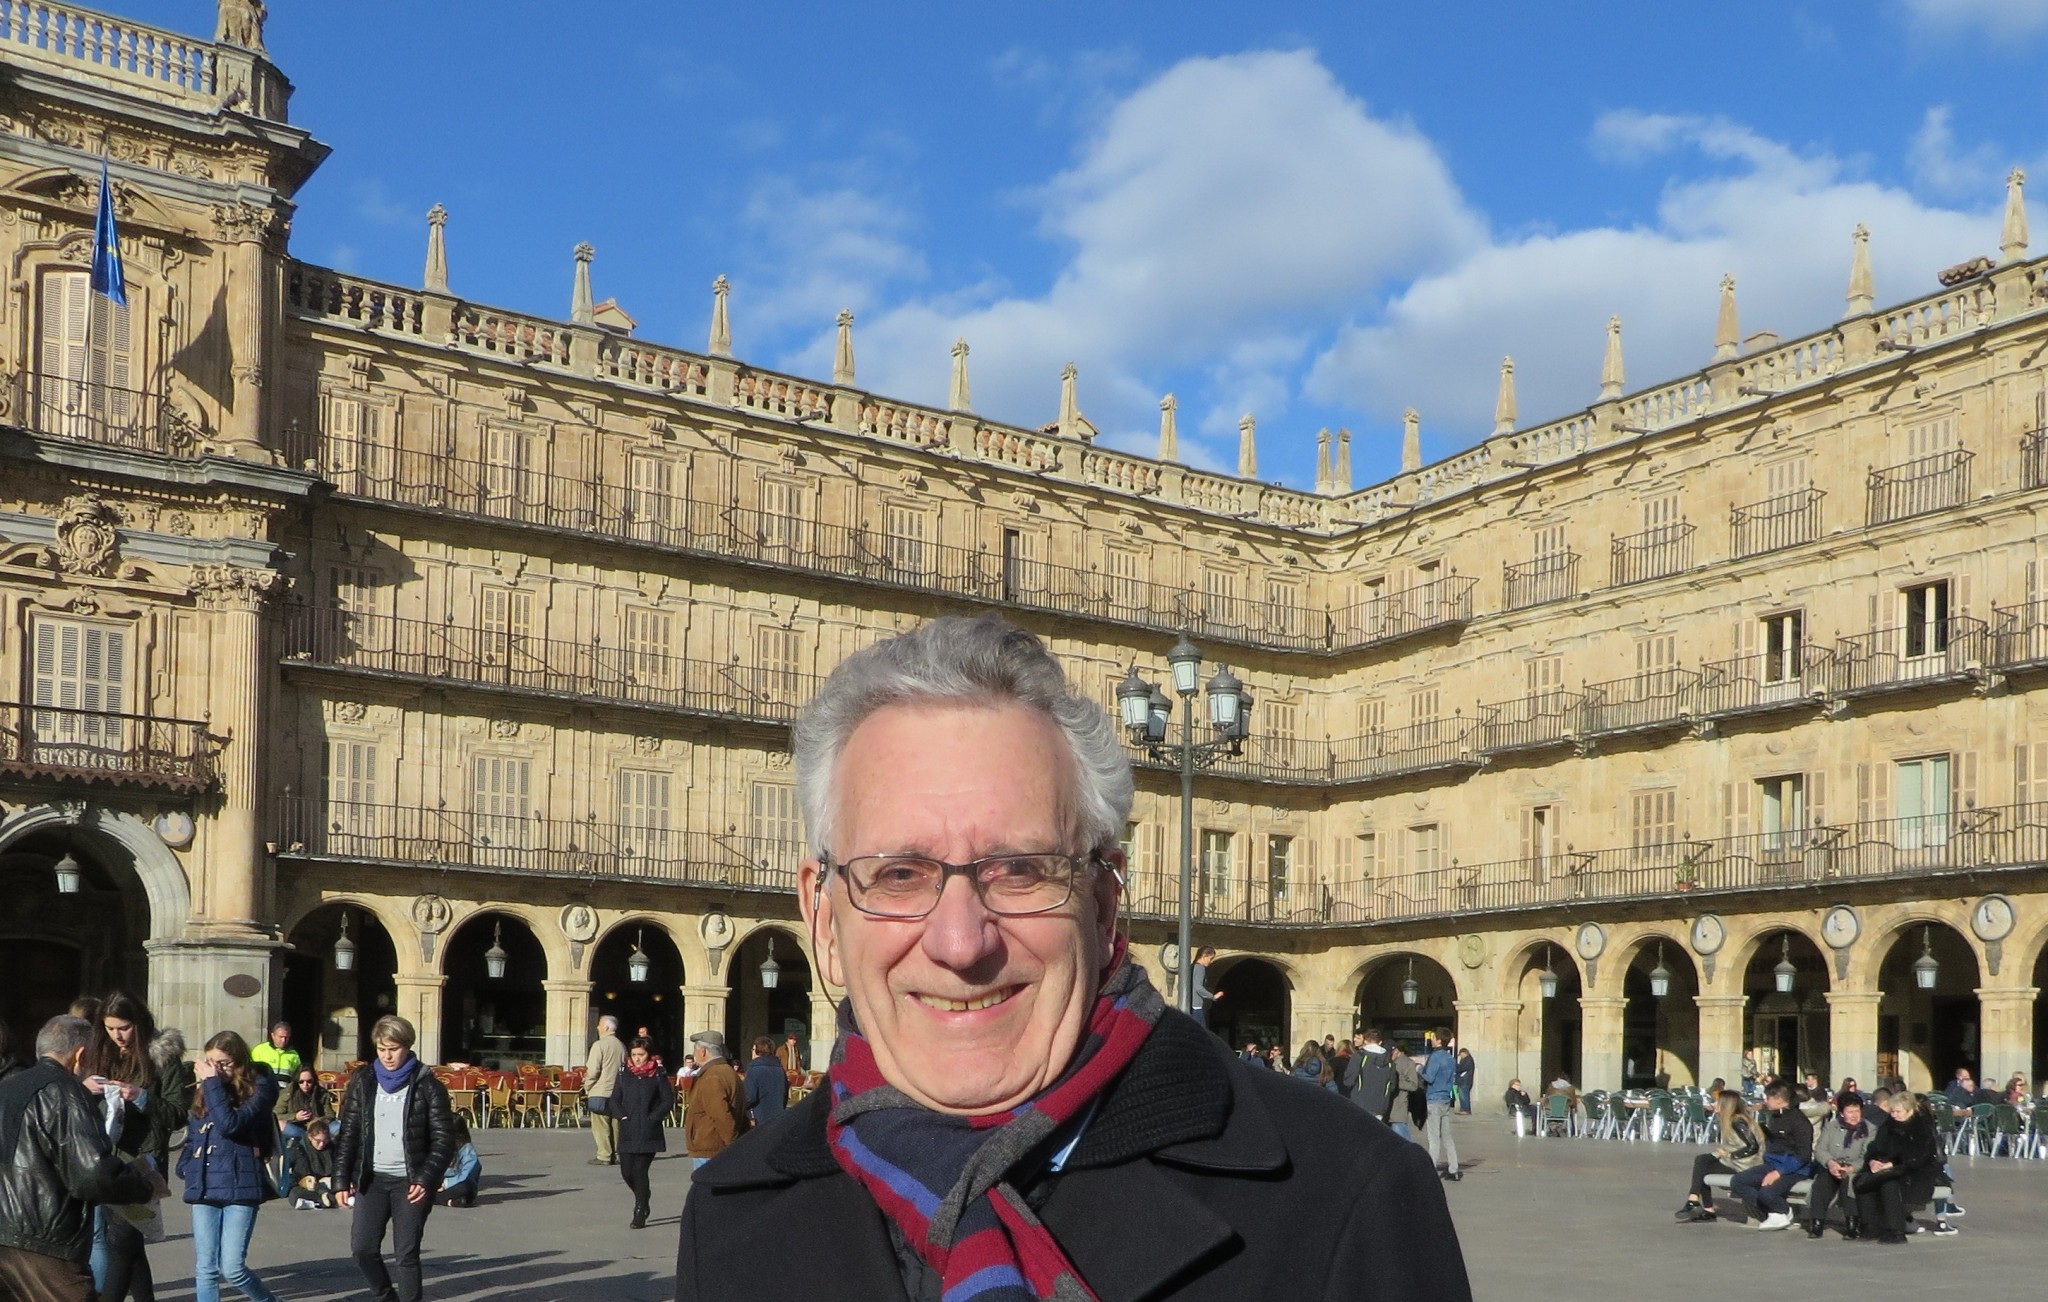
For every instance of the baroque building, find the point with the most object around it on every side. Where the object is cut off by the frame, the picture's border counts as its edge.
(367, 648)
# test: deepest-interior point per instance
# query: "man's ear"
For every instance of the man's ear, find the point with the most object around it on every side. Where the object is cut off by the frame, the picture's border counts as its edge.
(815, 901)
(1109, 893)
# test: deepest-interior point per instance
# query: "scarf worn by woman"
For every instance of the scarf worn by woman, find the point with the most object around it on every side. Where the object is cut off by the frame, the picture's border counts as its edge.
(394, 1079)
(652, 1067)
(942, 1178)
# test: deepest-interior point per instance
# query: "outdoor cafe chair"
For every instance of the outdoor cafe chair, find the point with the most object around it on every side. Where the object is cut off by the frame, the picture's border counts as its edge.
(498, 1100)
(2006, 1130)
(1557, 1115)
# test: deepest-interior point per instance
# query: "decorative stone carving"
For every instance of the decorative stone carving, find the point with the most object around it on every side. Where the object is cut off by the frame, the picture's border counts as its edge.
(245, 223)
(504, 729)
(645, 745)
(178, 523)
(432, 913)
(349, 711)
(86, 537)
(232, 587)
(778, 760)
(241, 24)
(579, 923)
(716, 931)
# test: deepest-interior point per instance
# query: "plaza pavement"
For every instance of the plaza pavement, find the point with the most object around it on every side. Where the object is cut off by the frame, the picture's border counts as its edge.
(1539, 1219)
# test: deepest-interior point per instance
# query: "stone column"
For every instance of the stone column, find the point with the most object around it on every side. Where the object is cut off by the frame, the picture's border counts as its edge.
(704, 1008)
(2006, 1032)
(1489, 1028)
(1314, 1021)
(419, 1002)
(568, 1004)
(246, 231)
(1721, 1023)
(1600, 1031)
(1852, 1035)
(824, 1027)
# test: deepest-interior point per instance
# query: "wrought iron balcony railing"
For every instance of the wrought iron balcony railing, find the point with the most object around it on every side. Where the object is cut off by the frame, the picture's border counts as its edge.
(1933, 483)
(1444, 603)
(100, 413)
(313, 828)
(1657, 699)
(2034, 459)
(47, 743)
(1951, 649)
(1532, 722)
(428, 651)
(1755, 684)
(1651, 554)
(2021, 638)
(1547, 578)
(1775, 523)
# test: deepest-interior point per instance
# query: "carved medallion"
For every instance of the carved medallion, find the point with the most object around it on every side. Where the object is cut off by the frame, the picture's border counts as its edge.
(86, 538)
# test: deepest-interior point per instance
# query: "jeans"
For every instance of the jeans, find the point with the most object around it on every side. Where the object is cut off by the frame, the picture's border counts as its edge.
(1443, 1150)
(381, 1201)
(1769, 1198)
(220, 1249)
(120, 1261)
(1401, 1128)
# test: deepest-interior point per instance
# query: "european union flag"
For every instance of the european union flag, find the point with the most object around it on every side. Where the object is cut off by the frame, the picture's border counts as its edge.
(107, 277)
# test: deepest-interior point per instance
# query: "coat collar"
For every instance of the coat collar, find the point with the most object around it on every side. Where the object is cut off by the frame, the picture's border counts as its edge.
(1179, 1104)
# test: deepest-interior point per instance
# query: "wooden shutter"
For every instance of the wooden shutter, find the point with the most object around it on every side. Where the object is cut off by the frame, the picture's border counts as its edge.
(1745, 638)
(66, 310)
(1873, 792)
(1966, 781)
(1817, 798)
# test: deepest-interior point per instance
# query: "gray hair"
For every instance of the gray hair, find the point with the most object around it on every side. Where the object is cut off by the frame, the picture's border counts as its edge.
(983, 661)
(62, 1037)
(607, 1024)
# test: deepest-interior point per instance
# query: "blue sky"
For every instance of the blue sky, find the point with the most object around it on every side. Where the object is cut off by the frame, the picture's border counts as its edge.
(1319, 214)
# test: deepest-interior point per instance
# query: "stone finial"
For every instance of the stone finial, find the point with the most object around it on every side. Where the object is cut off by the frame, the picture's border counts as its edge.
(1169, 429)
(1070, 403)
(1411, 440)
(1247, 447)
(437, 250)
(1323, 460)
(1342, 474)
(1862, 285)
(1504, 414)
(2012, 240)
(960, 397)
(842, 352)
(581, 310)
(721, 326)
(1727, 327)
(1612, 376)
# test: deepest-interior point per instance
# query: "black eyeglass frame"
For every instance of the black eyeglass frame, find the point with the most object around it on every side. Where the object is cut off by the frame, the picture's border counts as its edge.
(1093, 859)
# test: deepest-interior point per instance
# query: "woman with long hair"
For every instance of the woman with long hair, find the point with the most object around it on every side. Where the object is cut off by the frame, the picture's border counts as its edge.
(1741, 1147)
(642, 1102)
(230, 1135)
(397, 1139)
(147, 1069)
(1310, 1065)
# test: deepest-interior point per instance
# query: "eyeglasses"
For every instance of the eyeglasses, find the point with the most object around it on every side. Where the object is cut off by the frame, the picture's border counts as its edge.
(1008, 885)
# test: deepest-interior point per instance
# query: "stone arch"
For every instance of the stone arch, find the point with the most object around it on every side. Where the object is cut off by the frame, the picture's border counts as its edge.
(397, 922)
(657, 1002)
(1258, 1001)
(1548, 1035)
(751, 1009)
(1377, 998)
(1786, 1034)
(331, 1010)
(1925, 1035)
(1660, 1035)
(502, 1021)
(156, 868)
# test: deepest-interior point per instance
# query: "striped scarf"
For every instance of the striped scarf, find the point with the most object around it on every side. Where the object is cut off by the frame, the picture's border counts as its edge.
(942, 1178)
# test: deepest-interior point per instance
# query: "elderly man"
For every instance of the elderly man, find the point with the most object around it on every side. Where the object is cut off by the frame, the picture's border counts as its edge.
(717, 1112)
(55, 1163)
(600, 1078)
(1012, 1113)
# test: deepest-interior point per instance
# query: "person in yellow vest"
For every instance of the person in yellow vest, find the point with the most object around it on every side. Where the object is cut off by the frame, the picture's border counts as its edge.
(277, 1054)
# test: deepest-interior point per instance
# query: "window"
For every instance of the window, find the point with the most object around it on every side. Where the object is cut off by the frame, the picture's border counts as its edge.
(1660, 511)
(502, 801)
(1540, 825)
(784, 525)
(81, 670)
(778, 657)
(1216, 864)
(650, 495)
(643, 815)
(1657, 664)
(511, 467)
(773, 822)
(1784, 641)
(1428, 572)
(1785, 477)
(352, 788)
(1372, 717)
(1368, 855)
(903, 538)
(1023, 564)
(2030, 780)
(505, 622)
(1222, 588)
(1653, 821)
(1922, 803)
(1283, 604)
(1144, 847)
(86, 371)
(1279, 871)
(1545, 676)
(1372, 600)
(355, 452)
(1425, 848)
(1549, 541)
(1424, 706)
(1277, 731)
(1125, 568)
(1930, 437)
(1784, 810)
(1926, 619)
(648, 638)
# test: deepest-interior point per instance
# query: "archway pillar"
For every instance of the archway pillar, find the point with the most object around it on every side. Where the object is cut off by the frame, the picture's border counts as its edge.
(1721, 1019)
(568, 1011)
(2006, 1021)
(824, 1024)
(193, 984)
(419, 1002)
(1314, 1021)
(1852, 1034)
(1601, 1032)
(1490, 1029)
(704, 1010)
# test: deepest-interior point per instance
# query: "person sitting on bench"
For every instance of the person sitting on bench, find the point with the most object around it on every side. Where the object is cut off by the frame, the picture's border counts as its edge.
(1740, 1148)
(1788, 1159)
(1837, 1156)
(1899, 1168)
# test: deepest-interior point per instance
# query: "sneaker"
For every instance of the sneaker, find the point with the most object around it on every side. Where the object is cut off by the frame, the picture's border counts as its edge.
(1454, 1175)
(302, 1204)
(1944, 1228)
(1776, 1221)
(1699, 1215)
(597, 1161)
(1954, 1208)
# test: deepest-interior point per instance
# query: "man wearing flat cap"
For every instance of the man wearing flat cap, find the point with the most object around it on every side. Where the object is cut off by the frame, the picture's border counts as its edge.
(716, 1113)
(1011, 1113)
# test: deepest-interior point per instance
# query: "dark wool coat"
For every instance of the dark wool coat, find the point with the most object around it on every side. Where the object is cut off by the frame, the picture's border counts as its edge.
(1199, 1177)
(642, 1105)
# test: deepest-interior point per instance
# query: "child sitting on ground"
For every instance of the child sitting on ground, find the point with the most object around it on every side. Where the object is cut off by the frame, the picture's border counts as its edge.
(311, 1163)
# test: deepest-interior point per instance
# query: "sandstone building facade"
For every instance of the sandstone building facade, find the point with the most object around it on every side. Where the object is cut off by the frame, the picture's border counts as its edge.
(345, 617)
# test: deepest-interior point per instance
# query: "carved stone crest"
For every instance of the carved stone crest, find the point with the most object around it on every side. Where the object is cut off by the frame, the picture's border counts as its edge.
(349, 711)
(86, 538)
(504, 729)
(646, 745)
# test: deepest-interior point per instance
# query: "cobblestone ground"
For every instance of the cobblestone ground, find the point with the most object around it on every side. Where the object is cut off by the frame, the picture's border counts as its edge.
(1574, 1219)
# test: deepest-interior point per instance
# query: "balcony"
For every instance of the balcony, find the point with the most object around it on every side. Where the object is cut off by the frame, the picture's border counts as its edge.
(1399, 752)
(100, 413)
(1155, 894)
(1547, 578)
(2034, 459)
(1950, 650)
(1662, 698)
(1759, 684)
(1531, 723)
(429, 652)
(1652, 554)
(1935, 483)
(2021, 639)
(1775, 523)
(1444, 603)
(44, 743)
(312, 829)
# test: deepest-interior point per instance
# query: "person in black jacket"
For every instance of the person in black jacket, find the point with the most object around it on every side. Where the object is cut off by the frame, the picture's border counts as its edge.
(55, 1164)
(1899, 1168)
(1788, 1159)
(641, 1103)
(397, 1138)
(766, 1083)
(1003, 1062)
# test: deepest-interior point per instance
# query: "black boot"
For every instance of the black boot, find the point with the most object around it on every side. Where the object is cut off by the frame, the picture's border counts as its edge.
(1852, 1228)
(639, 1216)
(1814, 1228)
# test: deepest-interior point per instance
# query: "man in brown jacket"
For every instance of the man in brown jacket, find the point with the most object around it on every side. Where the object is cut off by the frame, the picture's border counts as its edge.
(717, 1113)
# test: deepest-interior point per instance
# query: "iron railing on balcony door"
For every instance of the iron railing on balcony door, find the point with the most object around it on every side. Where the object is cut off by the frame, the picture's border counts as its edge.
(53, 743)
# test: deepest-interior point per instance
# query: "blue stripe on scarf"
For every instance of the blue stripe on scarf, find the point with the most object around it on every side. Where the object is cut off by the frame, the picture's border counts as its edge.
(987, 1279)
(905, 1185)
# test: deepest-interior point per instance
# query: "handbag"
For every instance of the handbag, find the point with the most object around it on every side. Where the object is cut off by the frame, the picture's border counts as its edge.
(599, 1104)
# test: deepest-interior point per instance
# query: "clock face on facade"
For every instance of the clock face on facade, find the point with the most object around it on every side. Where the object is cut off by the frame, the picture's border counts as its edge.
(1592, 941)
(1993, 918)
(1840, 927)
(1708, 933)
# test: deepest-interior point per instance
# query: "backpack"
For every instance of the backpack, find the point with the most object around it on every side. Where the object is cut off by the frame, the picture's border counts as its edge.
(1374, 1082)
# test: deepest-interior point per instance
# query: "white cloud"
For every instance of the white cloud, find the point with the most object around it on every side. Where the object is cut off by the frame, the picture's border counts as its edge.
(1937, 165)
(2000, 17)
(374, 204)
(815, 251)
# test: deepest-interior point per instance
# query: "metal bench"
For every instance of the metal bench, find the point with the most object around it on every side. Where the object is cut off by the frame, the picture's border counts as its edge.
(1719, 1184)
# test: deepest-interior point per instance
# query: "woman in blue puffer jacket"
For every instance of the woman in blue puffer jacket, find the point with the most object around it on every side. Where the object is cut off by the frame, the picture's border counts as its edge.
(231, 1134)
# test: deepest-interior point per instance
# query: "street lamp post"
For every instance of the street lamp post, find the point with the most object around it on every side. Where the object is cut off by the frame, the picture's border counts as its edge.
(1145, 710)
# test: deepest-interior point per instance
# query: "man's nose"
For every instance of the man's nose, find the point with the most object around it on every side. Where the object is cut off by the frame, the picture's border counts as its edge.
(960, 931)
